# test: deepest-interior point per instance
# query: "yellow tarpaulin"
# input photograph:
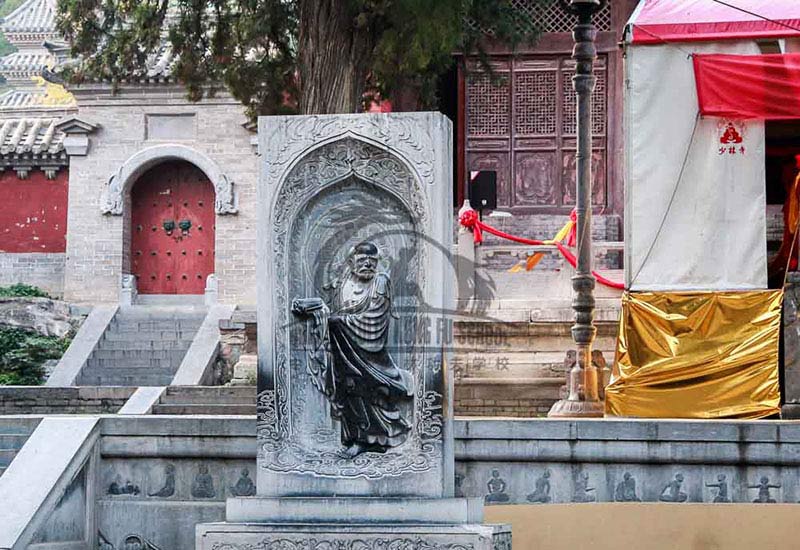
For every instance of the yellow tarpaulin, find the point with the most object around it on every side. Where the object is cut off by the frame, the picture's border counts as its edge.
(697, 355)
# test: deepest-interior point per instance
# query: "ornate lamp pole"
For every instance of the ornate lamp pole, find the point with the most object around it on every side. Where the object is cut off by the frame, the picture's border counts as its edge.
(583, 399)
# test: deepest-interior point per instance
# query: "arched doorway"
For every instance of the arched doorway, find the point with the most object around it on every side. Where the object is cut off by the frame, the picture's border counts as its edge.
(172, 229)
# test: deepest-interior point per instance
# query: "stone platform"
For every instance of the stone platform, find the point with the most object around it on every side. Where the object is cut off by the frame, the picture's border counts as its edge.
(345, 523)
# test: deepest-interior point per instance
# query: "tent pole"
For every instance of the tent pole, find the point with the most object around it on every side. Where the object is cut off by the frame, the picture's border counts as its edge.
(583, 399)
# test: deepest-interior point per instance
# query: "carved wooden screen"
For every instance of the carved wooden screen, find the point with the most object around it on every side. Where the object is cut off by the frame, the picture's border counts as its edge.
(522, 124)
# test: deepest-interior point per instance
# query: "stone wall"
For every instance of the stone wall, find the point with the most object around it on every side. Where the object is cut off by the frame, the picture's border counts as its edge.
(71, 400)
(159, 476)
(97, 243)
(546, 461)
(41, 269)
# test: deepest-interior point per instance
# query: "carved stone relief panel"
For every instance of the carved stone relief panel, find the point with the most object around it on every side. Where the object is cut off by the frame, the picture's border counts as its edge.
(347, 402)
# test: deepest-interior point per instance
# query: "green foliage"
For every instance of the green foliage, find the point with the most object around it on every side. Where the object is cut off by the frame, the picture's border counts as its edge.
(254, 47)
(22, 356)
(20, 290)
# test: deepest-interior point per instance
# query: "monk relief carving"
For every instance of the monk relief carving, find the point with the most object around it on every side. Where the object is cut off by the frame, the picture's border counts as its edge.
(348, 359)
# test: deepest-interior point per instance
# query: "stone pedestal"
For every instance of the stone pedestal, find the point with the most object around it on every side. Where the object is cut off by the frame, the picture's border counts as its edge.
(345, 523)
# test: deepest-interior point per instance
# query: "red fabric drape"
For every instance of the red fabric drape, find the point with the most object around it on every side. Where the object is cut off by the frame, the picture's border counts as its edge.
(748, 86)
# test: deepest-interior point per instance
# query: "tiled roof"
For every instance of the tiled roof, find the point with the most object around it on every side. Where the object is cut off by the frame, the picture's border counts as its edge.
(34, 136)
(24, 63)
(20, 99)
(33, 16)
(161, 63)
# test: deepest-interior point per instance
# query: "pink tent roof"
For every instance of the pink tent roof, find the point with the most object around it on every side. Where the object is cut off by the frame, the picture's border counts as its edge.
(659, 21)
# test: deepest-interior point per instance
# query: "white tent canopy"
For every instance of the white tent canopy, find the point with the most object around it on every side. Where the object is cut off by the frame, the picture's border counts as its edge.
(695, 211)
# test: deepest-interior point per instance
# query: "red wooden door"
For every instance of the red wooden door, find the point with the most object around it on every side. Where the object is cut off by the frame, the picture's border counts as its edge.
(172, 230)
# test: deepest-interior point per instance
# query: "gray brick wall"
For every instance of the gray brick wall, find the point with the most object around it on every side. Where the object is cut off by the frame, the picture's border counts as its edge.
(97, 245)
(45, 270)
(71, 400)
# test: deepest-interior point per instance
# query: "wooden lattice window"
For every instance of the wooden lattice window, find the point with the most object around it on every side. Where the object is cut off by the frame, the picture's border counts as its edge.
(568, 119)
(488, 109)
(551, 18)
(535, 103)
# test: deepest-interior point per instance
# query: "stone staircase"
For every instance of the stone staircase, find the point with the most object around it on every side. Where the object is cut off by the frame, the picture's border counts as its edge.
(194, 400)
(511, 343)
(142, 346)
(14, 432)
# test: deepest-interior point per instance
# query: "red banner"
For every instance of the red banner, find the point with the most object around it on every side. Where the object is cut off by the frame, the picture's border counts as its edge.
(748, 86)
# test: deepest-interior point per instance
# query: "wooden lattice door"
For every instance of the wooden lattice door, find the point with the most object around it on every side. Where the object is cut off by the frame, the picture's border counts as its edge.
(172, 230)
(521, 123)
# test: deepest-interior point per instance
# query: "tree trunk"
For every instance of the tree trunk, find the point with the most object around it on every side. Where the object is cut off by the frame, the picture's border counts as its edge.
(334, 58)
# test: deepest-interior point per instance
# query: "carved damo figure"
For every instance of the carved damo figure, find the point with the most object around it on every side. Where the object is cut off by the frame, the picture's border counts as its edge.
(348, 359)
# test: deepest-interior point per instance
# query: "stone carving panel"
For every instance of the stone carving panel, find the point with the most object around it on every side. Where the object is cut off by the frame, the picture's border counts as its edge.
(359, 543)
(335, 204)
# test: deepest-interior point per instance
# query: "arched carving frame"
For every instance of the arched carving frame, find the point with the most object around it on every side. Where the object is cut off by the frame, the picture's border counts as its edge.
(112, 201)
(391, 173)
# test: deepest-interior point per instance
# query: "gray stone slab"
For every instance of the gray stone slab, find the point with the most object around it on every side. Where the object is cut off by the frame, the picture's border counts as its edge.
(41, 473)
(354, 510)
(82, 346)
(328, 183)
(142, 400)
(195, 369)
(354, 537)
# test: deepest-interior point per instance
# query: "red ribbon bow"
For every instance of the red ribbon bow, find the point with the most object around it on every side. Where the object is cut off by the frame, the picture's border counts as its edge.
(470, 220)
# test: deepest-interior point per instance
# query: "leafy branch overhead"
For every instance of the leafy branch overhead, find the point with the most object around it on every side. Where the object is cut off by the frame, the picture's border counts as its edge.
(275, 56)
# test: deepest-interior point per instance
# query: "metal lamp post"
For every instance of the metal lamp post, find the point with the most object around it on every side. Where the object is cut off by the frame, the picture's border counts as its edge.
(583, 399)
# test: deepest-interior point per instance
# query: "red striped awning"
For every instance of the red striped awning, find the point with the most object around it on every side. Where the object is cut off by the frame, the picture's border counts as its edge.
(659, 21)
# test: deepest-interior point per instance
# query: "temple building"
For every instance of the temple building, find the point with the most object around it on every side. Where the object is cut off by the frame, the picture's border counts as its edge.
(133, 193)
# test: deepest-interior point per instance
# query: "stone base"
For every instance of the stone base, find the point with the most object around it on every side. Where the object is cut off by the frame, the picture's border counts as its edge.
(577, 409)
(790, 411)
(354, 510)
(241, 536)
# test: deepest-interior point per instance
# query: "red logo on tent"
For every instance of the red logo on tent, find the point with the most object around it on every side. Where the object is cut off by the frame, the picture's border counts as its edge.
(730, 135)
(731, 138)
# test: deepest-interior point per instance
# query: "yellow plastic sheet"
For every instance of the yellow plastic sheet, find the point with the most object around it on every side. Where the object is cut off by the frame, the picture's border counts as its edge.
(697, 355)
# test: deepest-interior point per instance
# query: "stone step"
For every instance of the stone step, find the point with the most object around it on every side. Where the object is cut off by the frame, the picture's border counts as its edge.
(113, 364)
(113, 380)
(138, 354)
(520, 397)
(144, 345)
(139, 370)
(559, 328)
(9, 441)
(153, 326)
(545, 345)
(150, 336)
(165, 301)
(204, 408)
(520, 363)
(19, 425)
(242, 395)
(7, 455)
(182, 307)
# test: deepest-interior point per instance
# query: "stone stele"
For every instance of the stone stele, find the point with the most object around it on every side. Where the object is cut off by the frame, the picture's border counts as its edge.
(355, 291)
